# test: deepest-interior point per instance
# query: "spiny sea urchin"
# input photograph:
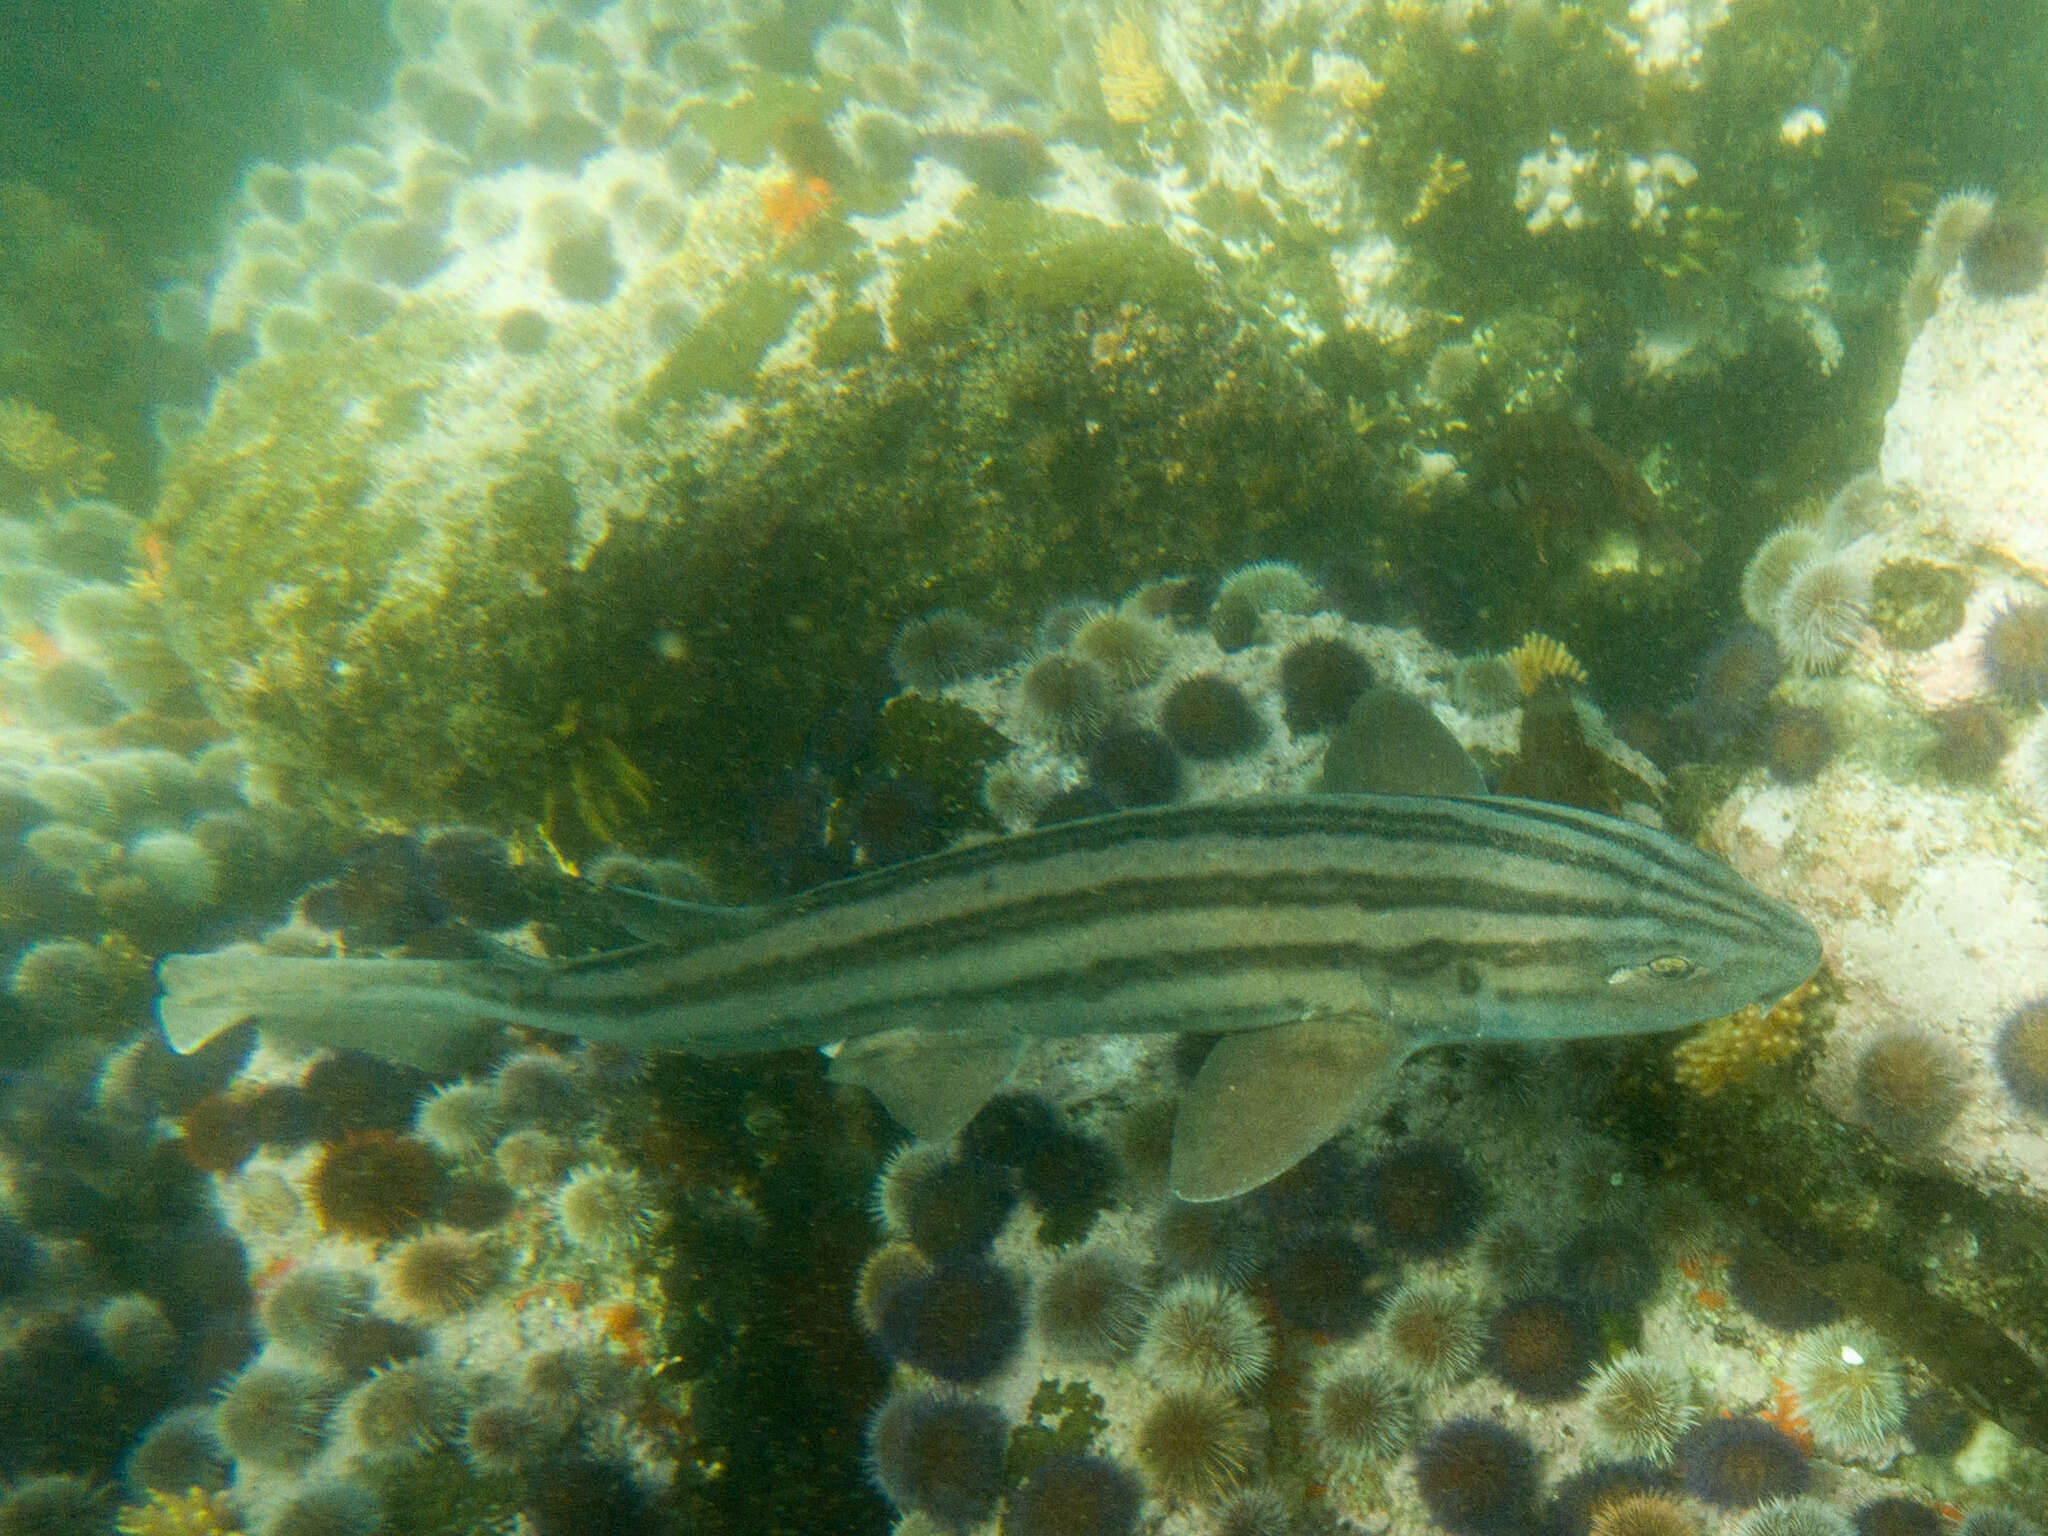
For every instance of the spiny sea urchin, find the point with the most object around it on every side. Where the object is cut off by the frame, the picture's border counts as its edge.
(1433, 1331)
(1359, 1413)
(1821, 612)
(1200, 1335)
(1772, 565)
(1194, 1444)
(1090, 1307)
(1640, 1404)
(604, 1209)
(438, 1275)
(1851, 1390)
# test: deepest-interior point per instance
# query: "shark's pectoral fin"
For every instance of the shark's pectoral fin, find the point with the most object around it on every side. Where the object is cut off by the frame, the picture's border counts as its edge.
(931, 1083)
(1266, 1098)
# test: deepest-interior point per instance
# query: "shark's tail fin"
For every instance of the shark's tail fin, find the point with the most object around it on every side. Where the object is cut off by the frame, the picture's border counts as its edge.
(423, 1012)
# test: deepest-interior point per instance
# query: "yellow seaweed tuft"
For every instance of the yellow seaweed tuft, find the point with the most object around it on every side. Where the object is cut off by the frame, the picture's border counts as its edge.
(1539, 658)
(194, 1512)
(38, 456)
(1734, 1048)
(1133, 85)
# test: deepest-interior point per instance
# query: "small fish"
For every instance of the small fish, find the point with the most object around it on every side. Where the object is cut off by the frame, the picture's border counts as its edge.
(1327, 937)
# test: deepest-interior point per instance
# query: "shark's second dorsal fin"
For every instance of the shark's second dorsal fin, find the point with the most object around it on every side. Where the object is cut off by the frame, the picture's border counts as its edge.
(931, 1083)
(1266, 1098)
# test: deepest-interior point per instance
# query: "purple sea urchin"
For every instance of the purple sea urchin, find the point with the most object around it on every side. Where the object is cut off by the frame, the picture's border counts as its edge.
(1069, 1494)
(1909, 1087)
(1540, 1346)
(374, 1184)
(958, 1206)
(2014, 652)
(945, 646)
(1325, 1280)
(960, 1321)
(1210, 1241)
(1194, 1444)
(1422, 1198)
(1970, 741)
(1476, 1478)
(2022, 1054)
(1798, 743)
(1200, 1335)
(1852, 1392)
(404, 1410)
(503, 1436)
(1321, 678)
(1738, 1463)
(1208, 718)
(1610, 1265)
(333, 1508)
(2006, 257)
(1735, 678)
(1898, 1517)
(938, 1455)
(1795, 1517)
(1135, 766)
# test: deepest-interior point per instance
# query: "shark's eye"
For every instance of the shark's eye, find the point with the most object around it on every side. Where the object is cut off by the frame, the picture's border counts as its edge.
(1671, 967)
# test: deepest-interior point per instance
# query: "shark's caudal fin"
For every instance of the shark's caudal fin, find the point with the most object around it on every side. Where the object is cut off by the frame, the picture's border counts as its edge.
(1267, 1098)
(412, 1011)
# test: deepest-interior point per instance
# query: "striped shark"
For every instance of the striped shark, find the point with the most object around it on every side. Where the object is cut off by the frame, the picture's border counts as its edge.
(1325, 937)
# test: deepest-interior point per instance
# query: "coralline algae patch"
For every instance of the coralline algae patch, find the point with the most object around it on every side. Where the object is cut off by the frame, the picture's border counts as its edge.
(445, 1334)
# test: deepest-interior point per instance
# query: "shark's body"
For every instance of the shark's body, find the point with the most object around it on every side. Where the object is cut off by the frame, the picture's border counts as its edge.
(1327, 937)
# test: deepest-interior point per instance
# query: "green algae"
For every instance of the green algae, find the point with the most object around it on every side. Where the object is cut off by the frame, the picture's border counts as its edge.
(1063, 1418)
(1916, 604)
(1066, 408)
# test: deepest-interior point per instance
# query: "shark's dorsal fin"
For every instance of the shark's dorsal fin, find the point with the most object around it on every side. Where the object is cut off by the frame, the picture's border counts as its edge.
(1266, 1098)
(931, 1083)
(1393, 744)
(670, 920)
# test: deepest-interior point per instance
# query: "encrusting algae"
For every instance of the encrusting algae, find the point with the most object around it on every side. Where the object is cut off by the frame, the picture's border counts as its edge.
(1733, 1049)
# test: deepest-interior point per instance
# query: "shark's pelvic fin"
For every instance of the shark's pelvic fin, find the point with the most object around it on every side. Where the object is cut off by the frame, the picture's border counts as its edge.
(931, 1083)
(1267, 1098)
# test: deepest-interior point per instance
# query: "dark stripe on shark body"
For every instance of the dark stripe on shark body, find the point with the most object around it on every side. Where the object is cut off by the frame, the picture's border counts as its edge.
(1103, 980)
(1219, 901)
(1582, 841)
